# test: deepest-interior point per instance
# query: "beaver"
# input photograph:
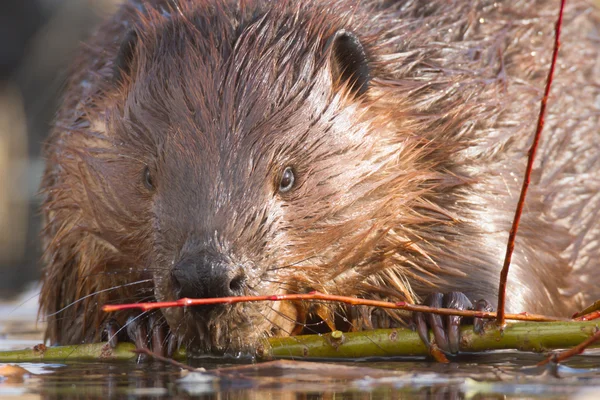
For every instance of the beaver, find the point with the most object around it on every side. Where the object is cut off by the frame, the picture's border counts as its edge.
(368, 148)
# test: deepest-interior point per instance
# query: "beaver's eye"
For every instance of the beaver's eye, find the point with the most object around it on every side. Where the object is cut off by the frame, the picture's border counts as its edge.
(147, 178)
(287, 180)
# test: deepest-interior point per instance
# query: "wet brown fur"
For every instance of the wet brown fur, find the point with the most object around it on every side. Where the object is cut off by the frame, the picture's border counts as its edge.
(403, 191)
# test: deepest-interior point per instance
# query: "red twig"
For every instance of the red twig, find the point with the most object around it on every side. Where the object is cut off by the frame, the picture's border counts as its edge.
(589, 317)
(594, 308)
(526, 180)
(562, 356)
(316, 296)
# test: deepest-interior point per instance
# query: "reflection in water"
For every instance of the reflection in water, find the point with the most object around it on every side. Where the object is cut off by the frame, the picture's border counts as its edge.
(500, 376)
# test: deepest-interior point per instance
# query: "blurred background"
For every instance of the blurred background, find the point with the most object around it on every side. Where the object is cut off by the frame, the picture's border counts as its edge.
(38, 38)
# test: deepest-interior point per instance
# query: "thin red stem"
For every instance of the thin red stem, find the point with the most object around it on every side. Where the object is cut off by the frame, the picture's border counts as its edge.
(316, 296)
(526, 180)
(588, 317)
(588, 310)
(580, 348)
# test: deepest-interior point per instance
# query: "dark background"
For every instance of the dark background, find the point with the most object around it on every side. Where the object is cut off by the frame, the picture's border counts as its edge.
(37, 40)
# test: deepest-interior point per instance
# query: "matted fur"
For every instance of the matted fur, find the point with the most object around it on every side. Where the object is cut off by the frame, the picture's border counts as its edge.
(406, 190)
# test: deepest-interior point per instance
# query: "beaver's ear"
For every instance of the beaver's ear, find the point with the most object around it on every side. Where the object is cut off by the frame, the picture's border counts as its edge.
(348, 61)
(124, 59)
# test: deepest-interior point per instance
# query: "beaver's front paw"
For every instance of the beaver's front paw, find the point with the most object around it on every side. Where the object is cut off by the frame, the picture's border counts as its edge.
(446, 329)
(146, 332)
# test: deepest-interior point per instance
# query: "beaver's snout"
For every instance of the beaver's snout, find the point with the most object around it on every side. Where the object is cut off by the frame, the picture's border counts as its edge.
(207, 274)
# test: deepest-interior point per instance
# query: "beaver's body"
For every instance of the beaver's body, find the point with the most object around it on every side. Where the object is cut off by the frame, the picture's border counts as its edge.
(374, 148)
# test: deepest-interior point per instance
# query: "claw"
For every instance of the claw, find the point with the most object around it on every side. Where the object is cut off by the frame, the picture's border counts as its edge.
(111, 330)
(422, 329)
(149, 334)
(172, 345)
(479, 323)
(436, 323)
(158, 335)
(459, 301)
(446, 331)
(138, 334)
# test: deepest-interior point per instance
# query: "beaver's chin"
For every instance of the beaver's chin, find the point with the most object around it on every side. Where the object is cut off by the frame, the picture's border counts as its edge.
(237, 329)
(227, 328)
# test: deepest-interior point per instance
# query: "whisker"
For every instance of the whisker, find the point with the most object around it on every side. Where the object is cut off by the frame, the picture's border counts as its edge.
(96, 293)
(127, 323)
(304, 324)
(282, 284)
(292, 264)
(37, 294)
(275, 325)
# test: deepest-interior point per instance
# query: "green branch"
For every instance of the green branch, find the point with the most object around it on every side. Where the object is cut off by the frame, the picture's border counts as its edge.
(531, 336)
(524, 336)
(77, 352)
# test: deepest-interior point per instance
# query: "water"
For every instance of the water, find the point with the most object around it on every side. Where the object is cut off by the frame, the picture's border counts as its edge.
(496, 375)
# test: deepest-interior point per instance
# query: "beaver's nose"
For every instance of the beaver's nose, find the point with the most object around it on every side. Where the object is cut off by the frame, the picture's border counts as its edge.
(207, 275)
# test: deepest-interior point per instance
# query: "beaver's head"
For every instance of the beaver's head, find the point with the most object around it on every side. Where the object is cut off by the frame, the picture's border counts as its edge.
(265, 152)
